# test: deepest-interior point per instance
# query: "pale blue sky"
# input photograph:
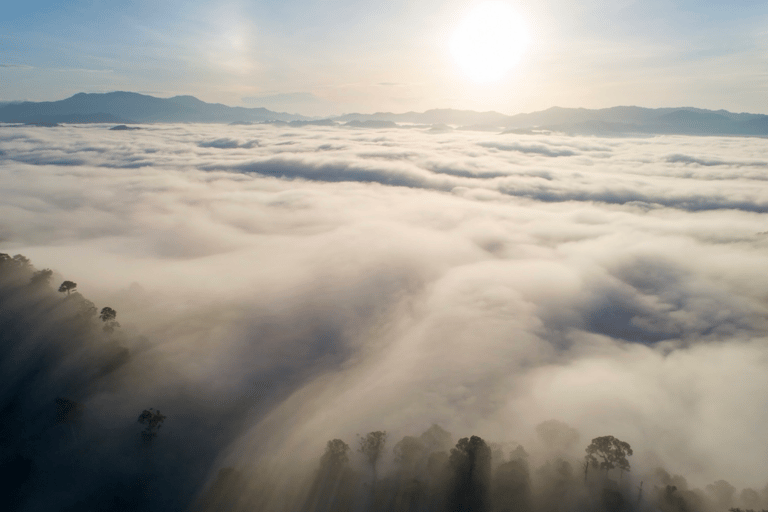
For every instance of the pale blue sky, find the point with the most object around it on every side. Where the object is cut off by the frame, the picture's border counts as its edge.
(329, 56)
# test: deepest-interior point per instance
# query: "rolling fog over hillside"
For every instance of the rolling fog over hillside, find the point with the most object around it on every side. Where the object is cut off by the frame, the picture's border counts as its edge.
(281, 287)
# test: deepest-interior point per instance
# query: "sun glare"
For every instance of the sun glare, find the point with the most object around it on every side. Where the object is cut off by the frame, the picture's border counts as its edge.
(489, 41)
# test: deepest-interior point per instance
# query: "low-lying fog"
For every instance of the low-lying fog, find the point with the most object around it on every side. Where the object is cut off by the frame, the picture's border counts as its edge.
(322, 282)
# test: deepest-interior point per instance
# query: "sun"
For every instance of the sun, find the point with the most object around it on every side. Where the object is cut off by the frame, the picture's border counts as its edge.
(489, 41)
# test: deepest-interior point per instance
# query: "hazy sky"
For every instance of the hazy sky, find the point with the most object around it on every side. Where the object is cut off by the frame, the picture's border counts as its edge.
(324, 56)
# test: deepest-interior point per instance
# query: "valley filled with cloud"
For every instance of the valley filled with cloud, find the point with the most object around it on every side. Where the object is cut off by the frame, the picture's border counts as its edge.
(280, 286)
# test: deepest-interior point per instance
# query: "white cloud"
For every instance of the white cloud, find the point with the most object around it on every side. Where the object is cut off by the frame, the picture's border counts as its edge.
(389, 279)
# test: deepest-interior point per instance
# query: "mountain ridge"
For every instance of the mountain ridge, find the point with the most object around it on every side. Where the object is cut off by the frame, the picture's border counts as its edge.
(131, 108)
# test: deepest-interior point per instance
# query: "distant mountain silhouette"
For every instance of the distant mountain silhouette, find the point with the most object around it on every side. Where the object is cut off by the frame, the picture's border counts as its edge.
(130, 107)
(607, 121)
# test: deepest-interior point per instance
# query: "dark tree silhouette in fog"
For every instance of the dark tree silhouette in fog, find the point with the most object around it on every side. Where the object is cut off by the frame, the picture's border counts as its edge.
(153, 421)
(470, 464)
(336, 454)
(612, 453)
(21, 261)
(68, 287)
(372, 446)
(108, 316)
(41, 277)
(334, 483)
(511, 487)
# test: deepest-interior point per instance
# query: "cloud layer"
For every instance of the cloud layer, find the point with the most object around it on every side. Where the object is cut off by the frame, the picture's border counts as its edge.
(344, 280)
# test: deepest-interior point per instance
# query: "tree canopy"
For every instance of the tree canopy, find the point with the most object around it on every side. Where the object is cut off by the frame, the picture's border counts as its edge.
(68, 287)
(336, 454)
(372, 446)
(612, 453)
(153, 421)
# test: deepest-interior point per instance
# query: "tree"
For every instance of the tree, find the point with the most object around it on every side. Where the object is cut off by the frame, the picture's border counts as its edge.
(67, 286)
(612, 453)
(335, 455)
(470, 463)
(372, 446)
(21, 261)
(41, 277)
(512, 487)
(153, 421)
(108, 316)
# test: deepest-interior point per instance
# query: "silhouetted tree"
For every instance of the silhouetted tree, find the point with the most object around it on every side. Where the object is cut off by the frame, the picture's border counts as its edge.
(108, 316)
(153, 421)
(612, 453)
(67, 286)
(511, 491)
(470, 463)
(372, 446)
(333, 482)
(21, 261)
(41, 277)
(336, 454)
(671, 501)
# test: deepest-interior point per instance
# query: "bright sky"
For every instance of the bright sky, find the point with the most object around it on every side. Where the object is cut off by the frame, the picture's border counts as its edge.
(334, 56)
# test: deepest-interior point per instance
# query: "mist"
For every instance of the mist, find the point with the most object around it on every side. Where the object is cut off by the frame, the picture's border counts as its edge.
(278, 288)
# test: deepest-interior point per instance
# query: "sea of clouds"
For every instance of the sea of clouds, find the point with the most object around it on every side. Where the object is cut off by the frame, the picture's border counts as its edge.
(338, 280)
